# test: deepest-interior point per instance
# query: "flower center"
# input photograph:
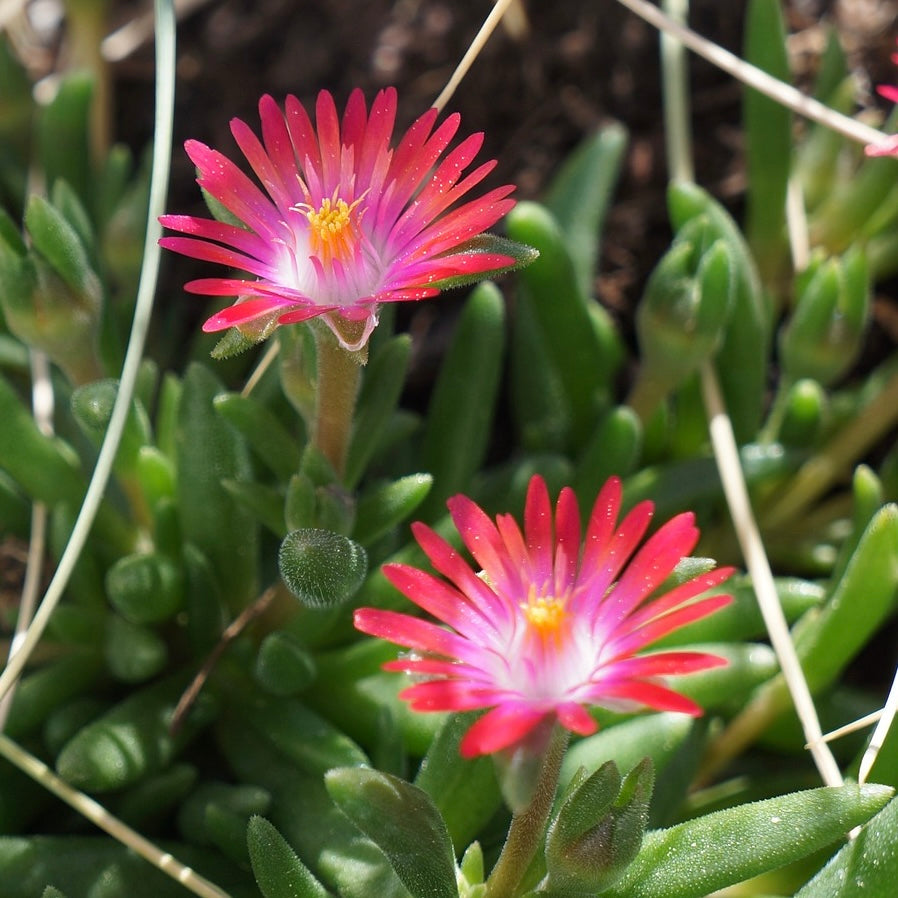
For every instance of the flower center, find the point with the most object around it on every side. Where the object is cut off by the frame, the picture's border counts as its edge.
(545, 614)
(333, 228)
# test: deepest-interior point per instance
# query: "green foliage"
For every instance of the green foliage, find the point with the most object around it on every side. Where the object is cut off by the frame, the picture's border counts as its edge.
(130, 741)
(404, 823)
(283, 665)
(279, 872)
(823, 336)
(221, 493)
(580, 197)
(566, 352)
(866, 863)
(465, 792)
(598, 829)
(320, 567)
(697, 857)
(681, 319)
(768, 128)
(742, 359)
(209, 450)
(90, 865)
(458, 429)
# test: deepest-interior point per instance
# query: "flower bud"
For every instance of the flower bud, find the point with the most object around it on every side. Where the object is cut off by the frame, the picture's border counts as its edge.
(823, 336)
(681, 318)
(51, 295)
(599, 829)
(803, 414)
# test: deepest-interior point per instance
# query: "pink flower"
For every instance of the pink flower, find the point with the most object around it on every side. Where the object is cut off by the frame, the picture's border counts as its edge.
(888, 147)
(346, 221)
(549, 625)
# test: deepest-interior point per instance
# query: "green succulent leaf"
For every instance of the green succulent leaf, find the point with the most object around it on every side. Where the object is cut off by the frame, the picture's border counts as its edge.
(580, 196)
(320, 567)
(692, 859)
(279, 872)
(465, 791)
(458, 425)
(404, 823)
(867, 865)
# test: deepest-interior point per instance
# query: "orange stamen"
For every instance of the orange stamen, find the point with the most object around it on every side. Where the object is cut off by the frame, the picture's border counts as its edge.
(333, 228)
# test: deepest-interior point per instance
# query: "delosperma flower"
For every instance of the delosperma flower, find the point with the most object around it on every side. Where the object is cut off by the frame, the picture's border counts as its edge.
(545, 626)
(346, 220)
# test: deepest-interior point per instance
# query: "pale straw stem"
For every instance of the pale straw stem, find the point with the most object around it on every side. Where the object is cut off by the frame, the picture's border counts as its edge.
(165, 83)
(42, 404)
(752, 76)
(480, 39)
(727, 457)
(271, 353)
(9, 9)
(879, 734)
(675, 87)
(797, 225)
(855, 725)
(98, 815)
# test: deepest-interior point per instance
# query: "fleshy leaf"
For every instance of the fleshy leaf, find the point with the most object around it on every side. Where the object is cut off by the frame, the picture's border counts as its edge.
(465, 791)
(458, 428)
(711, 852)
(279, 872)
(320, 567)
(390, 504)
(208, 451)
(404, 823)
(867, 865)
(580, 196)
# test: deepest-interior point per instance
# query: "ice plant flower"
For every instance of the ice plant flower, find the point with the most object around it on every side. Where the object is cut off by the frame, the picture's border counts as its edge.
(890, 146)
(547, 626)
(346, 220)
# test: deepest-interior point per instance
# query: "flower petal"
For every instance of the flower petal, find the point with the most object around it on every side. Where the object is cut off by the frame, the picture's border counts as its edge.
(344, 222)
(542, 633)
(500, 728)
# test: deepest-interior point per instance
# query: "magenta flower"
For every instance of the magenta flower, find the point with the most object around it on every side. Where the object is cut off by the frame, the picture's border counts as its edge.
(549, 625)
(346, 221)
(890, 146)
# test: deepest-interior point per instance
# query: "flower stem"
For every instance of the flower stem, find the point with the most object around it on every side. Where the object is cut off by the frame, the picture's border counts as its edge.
(338, 372)
(648, 392)
(526, 831)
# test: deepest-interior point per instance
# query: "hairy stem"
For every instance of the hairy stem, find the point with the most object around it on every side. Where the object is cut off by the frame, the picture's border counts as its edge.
(526, 831)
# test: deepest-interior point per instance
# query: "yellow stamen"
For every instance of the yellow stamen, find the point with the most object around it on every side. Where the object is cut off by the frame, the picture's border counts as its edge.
(333, 231)
(546, 614)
